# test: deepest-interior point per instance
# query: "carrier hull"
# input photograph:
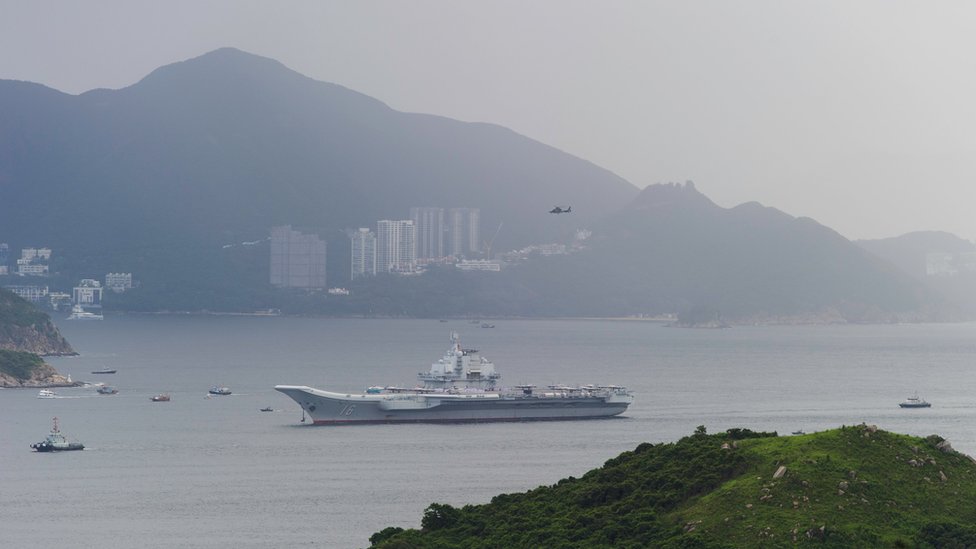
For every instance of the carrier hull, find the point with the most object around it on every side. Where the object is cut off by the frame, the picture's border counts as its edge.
(328, 408)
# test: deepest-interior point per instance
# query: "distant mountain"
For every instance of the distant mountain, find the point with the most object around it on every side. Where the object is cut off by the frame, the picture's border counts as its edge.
(908, 251)
(674, 251)
(156, 177)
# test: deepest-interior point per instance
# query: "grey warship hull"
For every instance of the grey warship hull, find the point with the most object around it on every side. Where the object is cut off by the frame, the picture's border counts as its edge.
(328, 408)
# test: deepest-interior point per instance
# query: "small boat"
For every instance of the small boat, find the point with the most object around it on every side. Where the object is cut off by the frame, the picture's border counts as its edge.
(160, 398)
(105, 371)
(486, 325)
(268, 409)
(55, 442)
(107, 390)
(219, 390)
(46, 393)
(79, 313)
(914, 402)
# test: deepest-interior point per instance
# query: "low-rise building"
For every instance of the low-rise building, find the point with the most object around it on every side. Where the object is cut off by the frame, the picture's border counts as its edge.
(479, 265)
(88, 293)
(59, 301)
(33, 261)
(30, 292)
(118, 282)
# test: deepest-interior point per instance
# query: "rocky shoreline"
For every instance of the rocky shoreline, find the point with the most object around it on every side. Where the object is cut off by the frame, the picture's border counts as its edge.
(43, 376)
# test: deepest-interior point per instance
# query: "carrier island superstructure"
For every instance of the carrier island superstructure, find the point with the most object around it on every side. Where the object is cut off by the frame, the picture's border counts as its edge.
(460, 387)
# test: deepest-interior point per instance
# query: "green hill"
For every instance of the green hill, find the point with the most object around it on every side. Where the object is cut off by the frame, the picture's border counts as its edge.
(25, 328)
(848, 487)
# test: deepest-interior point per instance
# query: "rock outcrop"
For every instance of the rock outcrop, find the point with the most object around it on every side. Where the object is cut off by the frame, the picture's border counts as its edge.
(41, 339)
(21, 369)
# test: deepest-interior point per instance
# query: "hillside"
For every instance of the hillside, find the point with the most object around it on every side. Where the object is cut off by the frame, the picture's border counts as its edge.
(22, 369)
(155, 178)
(25, 328)
(848, 487)
(672, 250)
(909, 251)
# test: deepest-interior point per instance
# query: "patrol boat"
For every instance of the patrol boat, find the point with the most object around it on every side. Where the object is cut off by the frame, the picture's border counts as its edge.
(460, 387)
(55, 442)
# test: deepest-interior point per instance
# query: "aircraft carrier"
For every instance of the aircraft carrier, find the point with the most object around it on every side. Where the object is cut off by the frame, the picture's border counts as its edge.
(460, 387)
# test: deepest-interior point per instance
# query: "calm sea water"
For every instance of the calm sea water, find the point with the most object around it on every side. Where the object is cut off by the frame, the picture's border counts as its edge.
(217, 472)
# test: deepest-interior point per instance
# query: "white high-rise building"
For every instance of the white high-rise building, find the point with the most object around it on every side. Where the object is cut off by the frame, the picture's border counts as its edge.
(464, 231)
(396, 246)
(297, 259)
(429, 223)
(363, 253)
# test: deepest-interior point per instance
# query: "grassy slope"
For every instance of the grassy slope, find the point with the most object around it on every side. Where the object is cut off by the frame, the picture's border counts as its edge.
(693, 493)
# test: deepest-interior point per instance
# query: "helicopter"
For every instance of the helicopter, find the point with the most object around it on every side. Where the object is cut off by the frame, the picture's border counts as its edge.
(559, 210)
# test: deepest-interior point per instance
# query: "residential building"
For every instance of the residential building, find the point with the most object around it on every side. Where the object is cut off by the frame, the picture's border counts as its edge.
(430, 227)
(118, 282)
(396, 246)
(33, 261)
(34, 294)
(297, 259)
(4, 253)
(363, 253)
(25, 267)
(463, 232)
(88, 293)
(59, 301)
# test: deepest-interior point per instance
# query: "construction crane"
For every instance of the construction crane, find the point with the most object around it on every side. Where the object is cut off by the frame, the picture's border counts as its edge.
(488, 244)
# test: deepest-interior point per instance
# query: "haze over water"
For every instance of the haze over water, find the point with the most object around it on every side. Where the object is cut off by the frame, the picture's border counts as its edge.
(216, 472)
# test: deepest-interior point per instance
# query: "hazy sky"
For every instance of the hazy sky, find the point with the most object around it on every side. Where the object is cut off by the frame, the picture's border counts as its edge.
(860, 114)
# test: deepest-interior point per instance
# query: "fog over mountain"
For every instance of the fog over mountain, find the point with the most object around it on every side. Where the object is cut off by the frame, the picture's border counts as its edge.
(676, 251)
(155, 178)
(221, 147)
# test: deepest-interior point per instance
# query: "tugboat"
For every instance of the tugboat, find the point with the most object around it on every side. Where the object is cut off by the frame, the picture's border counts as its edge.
(107, 390)
(914, 402)
(160, 398)
(219, 390)
(55, 442)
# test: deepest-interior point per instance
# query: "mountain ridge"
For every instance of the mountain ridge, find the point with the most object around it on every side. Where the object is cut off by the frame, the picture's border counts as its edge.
(157, 177)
